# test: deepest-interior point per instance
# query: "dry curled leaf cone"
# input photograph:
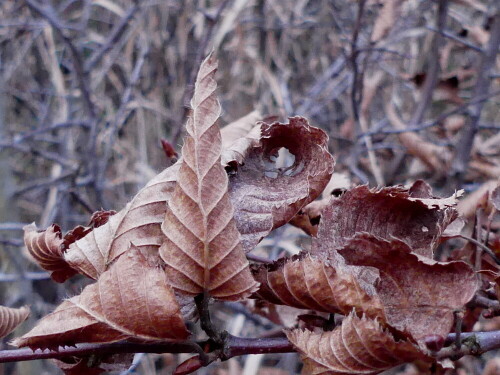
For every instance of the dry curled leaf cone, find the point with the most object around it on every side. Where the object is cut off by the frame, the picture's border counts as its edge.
(131, 300)
(267, 195)
(202, 249)
(419, 295)
(10, 318)
(308, 283)
(139, 222)
(47, 249)
(357, 346)
(412, 215)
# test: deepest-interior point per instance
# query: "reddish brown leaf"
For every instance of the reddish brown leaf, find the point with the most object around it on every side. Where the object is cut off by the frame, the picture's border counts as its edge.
(307, 283)
(419, 295)
(47, 248)
(202, 248)
(10, 318)
(358, 346)
(132, 299)
(168, 149)
(99, 218)
(392, 212)
(138, 223)
(266, 196)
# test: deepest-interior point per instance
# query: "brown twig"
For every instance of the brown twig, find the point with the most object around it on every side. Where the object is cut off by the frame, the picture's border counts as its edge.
(233, 347)
(464, 146)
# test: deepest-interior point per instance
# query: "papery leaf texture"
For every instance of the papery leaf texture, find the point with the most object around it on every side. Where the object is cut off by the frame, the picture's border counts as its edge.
(267, 196)
(307, 283)
(10, 318)
(239, 128)
(131, 300)
(47, 249)
(202, 249)
(419, 295)
(97, 364)
(138, 223)
(410, 215)
(357, 346)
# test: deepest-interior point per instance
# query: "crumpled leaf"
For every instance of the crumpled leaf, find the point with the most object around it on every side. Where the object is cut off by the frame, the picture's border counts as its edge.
(139, 222)
(419, 295)
(358, 346)
(307, 283)
(47, 249)
(266, 196)
(239, 128)
(95, 364)
(410, 215)
(132, 299)
(202, 248)
(10, 318)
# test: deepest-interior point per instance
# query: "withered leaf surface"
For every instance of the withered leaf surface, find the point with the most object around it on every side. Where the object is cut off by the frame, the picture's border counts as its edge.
(202, 248)
(358, 346)
(138, 223)
(10, 318)
(266, 196)
(132, 299)
(418, 294)
(307, 283)
(47, 248)
(392, 212)
(239, 128)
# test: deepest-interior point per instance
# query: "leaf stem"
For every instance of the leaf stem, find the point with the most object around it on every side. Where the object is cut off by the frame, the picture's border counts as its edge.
(202, 301)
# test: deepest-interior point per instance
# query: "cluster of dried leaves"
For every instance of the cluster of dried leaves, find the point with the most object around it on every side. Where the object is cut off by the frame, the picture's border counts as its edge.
(186, 233)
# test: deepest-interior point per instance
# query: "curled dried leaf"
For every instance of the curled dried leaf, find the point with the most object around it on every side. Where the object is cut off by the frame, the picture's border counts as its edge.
(410, 215)
(47, 249)
(139, 222)
(10, 318)
(266, 195)
(95, 364)
(202, 249)
(132, 299)
(419, 295)
(307, 283)
(358, 346)
(239, 128)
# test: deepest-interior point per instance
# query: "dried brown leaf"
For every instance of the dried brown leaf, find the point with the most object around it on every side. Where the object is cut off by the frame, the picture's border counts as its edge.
(202, 248)
(307, 283)
(410, 215)
(47, 249)
(419, 294)
(358, 346)
(10, 318)
(95, 364)
(309, 217)
(265, 195)
(132, 299)
(138, 223)
(239, 128)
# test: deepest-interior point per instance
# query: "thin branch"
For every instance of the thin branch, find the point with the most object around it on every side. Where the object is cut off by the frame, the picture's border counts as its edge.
(433, 68)
(437, 120)
(464, 147)
(474, 343)
(482, 246)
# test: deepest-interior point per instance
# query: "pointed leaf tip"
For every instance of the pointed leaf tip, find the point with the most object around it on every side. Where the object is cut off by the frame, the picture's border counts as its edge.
(202, 249)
